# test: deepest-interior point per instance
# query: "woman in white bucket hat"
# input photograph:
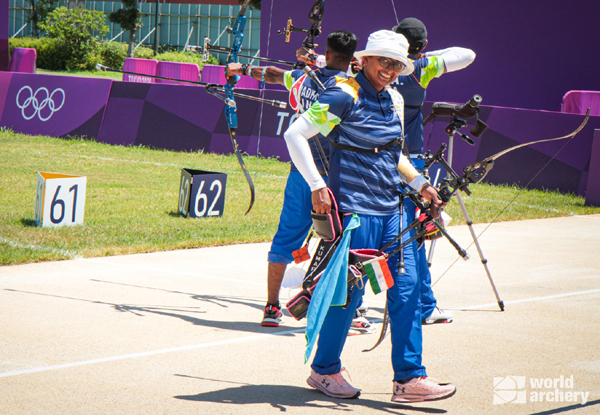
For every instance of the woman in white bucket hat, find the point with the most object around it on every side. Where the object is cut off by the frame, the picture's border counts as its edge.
(363, 119)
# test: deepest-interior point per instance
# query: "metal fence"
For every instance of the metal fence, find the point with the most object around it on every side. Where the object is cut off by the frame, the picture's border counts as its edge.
(179, 24)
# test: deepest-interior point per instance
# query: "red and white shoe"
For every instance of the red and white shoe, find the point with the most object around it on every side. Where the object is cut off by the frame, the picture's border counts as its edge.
(272, 316)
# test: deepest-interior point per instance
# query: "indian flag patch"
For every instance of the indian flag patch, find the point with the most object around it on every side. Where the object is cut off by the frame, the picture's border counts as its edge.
(379, 275)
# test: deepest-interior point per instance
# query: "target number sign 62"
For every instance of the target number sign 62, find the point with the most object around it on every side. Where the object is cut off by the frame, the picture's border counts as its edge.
(201, 193)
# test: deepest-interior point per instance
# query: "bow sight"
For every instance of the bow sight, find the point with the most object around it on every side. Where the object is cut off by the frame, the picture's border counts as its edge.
(316, 17)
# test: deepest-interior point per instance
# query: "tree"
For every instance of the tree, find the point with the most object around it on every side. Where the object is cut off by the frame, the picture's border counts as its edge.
(129, 18)
(78, 30)
(39, 12)
(253, 3)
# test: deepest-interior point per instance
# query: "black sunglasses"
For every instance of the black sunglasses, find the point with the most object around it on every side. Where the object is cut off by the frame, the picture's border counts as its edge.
(387, 62)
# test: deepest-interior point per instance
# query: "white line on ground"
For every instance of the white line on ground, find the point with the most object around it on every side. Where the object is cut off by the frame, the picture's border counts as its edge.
(14, 244)
(526, 300)
(148, 353)
(243, 339)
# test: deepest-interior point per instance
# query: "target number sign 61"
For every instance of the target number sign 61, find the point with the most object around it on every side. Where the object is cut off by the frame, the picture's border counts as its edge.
(201, 193)
(60, 199)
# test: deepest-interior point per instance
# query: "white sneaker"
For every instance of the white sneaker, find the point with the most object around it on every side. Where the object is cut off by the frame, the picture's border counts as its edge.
(421, 389)
(333, 385)
(439, 316)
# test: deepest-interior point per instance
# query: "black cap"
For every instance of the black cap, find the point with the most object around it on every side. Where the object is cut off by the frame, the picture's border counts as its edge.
(414, 31)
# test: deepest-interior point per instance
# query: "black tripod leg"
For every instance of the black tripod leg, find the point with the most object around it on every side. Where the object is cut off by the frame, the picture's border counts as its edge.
(456, 246)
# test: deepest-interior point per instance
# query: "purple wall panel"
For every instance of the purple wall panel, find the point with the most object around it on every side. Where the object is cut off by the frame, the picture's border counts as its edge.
(187, 118)
(523, 50)
(4, 34)
(5, 79)
(174, 117)
(270, 125)
(53, 105)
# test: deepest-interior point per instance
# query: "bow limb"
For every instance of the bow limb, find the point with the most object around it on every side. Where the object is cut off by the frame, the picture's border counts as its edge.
(237, 31)
(477, 171)
(240, 159)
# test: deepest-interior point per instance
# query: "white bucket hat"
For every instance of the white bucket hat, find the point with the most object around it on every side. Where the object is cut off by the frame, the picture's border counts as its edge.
(390, 45)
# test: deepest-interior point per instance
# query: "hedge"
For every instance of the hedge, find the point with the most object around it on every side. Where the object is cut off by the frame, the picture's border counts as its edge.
(53, 55)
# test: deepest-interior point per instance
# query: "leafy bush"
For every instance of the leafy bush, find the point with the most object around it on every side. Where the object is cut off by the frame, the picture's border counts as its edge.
(24, 42)
(55, 55)
(52, 54)
(78, 30)
(186, 57)
(113, 54)
(144, 52)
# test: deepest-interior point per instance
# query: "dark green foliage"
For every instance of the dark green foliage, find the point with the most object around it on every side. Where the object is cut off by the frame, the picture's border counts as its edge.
(113, 54)
(253, 3)
(78, 30)
(130, 19)
(39, 12)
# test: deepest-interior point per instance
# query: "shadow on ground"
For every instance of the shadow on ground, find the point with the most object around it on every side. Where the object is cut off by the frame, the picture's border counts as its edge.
(282, 397)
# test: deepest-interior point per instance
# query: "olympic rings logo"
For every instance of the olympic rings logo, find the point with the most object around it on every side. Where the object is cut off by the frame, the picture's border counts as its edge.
(43, 103)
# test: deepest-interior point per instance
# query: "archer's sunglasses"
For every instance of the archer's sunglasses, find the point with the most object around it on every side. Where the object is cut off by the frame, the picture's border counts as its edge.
(387, 62)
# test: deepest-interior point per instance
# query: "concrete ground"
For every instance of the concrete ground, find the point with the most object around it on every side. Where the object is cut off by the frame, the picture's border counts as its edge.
(179, 333)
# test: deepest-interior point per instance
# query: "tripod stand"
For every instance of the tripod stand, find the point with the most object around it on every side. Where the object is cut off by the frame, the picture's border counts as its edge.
(451, 130)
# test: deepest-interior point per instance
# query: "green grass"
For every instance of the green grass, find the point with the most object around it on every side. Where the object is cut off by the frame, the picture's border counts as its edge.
(132, 199)
(86, 74)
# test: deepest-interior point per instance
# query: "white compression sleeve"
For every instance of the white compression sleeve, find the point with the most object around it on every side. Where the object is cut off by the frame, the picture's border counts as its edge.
(296, 139)
(455, 58)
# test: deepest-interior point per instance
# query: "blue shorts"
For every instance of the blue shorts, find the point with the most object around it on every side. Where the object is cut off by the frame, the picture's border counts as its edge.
(295, 220)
